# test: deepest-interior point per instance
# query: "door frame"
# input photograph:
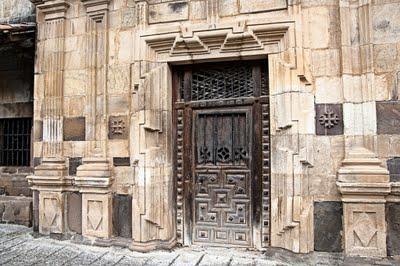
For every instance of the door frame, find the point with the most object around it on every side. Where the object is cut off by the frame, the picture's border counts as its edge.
(182, 157)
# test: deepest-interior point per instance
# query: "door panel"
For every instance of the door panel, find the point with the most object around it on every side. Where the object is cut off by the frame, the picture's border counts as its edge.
(222, 177)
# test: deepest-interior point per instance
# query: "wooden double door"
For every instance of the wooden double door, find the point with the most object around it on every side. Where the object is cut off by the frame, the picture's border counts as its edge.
(219, 152)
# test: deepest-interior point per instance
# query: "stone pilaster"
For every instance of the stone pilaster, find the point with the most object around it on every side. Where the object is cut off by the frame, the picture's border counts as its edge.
(50, 176)
(364, 184)
(94, 175)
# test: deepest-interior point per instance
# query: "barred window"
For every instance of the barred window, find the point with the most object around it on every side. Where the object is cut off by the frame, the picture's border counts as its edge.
(15, 141)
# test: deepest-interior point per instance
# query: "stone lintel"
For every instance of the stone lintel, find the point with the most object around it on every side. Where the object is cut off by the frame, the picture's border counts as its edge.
(52, 9)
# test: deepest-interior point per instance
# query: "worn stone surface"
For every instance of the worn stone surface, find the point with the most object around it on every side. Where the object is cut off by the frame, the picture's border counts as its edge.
(328, 227)
(16, 210)
(19, 247)
(393, 224)
(388, 117)
(121, 161)
(393, 166)
(74, 212)
(122, 215)
(74, 163)
(74, 129)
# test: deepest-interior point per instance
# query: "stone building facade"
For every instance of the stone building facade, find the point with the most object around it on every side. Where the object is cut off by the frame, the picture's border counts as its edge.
(238, 123)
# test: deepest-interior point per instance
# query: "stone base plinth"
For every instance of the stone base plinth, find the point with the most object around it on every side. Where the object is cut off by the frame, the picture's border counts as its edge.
(50, 180)
(94, 181)
(364, 185)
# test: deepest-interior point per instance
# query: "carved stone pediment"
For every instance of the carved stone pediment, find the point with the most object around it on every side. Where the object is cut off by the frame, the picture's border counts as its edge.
(241, 39)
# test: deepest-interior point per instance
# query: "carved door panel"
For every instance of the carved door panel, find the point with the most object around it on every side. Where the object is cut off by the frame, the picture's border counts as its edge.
(222, 145)
(222, 154)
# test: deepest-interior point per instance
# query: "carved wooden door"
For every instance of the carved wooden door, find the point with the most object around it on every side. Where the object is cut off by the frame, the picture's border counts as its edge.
(222, 192)
(219, 153)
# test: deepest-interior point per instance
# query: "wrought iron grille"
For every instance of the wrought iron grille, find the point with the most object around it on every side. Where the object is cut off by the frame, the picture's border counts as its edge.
(230, 80)
(15, 141)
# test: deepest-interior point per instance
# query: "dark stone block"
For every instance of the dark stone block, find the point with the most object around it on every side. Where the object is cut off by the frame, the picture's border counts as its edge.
(37, 161)
(329, 119)
(118, 127)
(394, 169)
(393, 228)
(122, 215)
(74, 163)
(121, 161)
(74, 129)
(328, 226)
(35, 209)
(74, 203)
(388, 117)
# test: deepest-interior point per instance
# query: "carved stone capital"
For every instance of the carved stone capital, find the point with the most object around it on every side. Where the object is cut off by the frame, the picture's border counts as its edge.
(96, 9)
(52, 9)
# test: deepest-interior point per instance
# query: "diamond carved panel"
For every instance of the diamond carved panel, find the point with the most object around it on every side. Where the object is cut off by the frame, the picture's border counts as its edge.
(365, 229)
(96, 213)
(51, 206)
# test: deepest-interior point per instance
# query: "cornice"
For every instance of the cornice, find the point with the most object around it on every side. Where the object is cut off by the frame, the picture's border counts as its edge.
(96, 9)
(52, 9)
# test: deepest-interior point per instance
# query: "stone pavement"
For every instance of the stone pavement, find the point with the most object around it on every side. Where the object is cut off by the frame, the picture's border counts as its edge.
(18, 246)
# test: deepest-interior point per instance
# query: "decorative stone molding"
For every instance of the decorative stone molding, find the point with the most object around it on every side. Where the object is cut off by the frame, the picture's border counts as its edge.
(364, 184)
(52, 9)
(246, 38)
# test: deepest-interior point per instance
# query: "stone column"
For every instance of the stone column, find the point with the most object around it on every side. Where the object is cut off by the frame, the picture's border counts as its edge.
(94, 175)
(362, 181)
(50, 176)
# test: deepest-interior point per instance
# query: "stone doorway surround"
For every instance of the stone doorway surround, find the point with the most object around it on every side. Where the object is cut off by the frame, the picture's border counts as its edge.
(155, 221)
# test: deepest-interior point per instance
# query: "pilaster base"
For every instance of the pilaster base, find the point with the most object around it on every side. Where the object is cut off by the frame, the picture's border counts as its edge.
(50, 182)
(94, 180)
(364, 185)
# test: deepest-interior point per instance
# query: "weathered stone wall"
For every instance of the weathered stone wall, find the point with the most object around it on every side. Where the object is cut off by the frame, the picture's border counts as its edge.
(16, 11)
(17, 53)
(334, 85)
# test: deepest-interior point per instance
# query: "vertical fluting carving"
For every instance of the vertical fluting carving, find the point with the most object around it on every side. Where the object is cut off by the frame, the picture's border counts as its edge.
(52, 109)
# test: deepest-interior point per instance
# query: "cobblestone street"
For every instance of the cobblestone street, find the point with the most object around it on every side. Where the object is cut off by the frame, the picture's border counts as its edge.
(18, 246)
